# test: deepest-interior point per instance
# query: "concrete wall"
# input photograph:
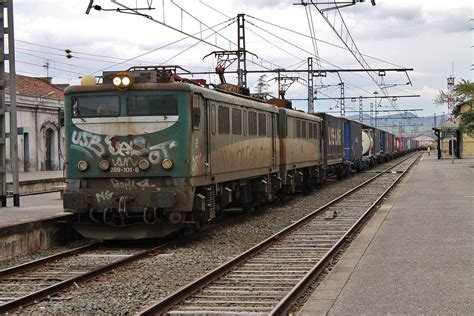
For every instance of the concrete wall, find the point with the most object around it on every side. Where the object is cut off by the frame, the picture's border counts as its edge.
(467, 149)
(39, 119)
(29, 237)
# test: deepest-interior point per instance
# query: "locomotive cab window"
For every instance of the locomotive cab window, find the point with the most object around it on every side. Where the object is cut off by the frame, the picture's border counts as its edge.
(143, 105)
(245, 122)
(213, 119)
(197, 101)
(298, 129)
(96, 106)
(252, 123)
(223, 113)
(236, 122)
(262, 124)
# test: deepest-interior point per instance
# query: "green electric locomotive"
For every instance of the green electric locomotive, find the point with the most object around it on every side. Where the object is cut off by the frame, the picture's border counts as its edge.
(149, 153)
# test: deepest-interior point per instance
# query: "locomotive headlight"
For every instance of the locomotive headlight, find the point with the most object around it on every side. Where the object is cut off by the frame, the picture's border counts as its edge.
(143, 164)
(104, 165)
(117, 81)
(167, 164)
(82, 165)
(126, 81)
(122, 81)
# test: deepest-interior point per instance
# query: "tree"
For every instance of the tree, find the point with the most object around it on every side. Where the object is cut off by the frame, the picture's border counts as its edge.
(463, 94)
(261, 85)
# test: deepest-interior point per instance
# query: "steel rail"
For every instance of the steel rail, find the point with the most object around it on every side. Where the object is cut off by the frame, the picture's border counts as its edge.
(293, 295)
(41, 261)
(58, 287)
(173, 299)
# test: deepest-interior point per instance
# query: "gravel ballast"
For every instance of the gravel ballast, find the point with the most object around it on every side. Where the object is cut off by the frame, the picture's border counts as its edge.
(130, 289)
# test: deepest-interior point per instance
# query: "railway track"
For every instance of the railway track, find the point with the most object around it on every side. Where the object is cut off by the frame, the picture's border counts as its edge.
(31, 282)
(271, 276)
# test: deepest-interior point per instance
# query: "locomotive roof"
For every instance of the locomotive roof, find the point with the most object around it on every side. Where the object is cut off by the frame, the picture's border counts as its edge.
(217, 95)
(302, 115)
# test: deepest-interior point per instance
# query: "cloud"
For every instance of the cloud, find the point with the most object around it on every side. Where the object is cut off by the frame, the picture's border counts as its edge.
(260, 4)
(390, 21)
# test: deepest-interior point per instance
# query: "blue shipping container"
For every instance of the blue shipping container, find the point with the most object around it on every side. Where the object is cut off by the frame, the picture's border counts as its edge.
(352, 140)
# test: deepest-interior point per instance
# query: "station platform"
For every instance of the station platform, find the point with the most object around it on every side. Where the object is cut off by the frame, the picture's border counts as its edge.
(32, 208)
(36, 175)
(36, 223)
(416, 254)
(36, 182)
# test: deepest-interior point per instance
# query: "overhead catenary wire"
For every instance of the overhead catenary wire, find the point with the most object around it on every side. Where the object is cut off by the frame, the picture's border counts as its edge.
(193, 45)
(167, 45)
(134, 11)
(19, 49)
(56, 61)
(253, 32)
(306, 51)
(32, 64)
(311, 25)
(321, 41)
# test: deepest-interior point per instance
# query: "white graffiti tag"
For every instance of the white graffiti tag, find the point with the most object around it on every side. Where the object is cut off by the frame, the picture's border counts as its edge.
(88, 141)
(130, 184)
(126, 153)
(134, 147)
(104, 196)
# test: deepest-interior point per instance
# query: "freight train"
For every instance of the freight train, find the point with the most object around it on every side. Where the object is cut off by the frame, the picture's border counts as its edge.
(150, 153)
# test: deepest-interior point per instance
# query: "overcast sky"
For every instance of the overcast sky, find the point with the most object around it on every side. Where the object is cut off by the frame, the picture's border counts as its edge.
(430, 36)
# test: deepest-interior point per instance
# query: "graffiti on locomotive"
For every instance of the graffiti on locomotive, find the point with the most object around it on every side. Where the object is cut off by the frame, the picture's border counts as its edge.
(125, 154)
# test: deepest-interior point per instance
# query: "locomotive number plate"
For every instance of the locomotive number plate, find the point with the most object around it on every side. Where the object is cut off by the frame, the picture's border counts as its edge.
(124, 169)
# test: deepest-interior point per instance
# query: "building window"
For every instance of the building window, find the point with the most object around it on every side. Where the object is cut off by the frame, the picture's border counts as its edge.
(236, 121)
(262, 124)
(223, 113)
(252, 123)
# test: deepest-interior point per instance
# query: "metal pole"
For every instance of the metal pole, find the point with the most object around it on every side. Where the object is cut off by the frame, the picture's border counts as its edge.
(452, 148)
(241, 56)
(3, 176)
(371, 114)
(343, 103)
(310, 86)
(13, 119)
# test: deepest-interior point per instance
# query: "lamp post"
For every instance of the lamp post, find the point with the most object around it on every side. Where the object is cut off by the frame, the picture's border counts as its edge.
(376, 105)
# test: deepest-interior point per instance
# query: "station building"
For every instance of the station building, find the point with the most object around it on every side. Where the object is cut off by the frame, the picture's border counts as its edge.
(448, 133)
(40, 135)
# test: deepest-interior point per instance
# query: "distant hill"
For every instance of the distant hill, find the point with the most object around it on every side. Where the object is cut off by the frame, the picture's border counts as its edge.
(410, 122)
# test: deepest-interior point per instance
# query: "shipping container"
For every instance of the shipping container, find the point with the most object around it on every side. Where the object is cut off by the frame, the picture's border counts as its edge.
(383, 142)
(377, 147)
(399, 141)
(389, 139)
(333, 138)
(352, 140)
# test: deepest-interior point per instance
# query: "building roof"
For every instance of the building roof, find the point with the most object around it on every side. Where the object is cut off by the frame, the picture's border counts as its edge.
(36, 87)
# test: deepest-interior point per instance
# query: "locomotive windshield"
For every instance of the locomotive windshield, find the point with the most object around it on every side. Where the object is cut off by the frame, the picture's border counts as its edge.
(152, 105)
(96, 106)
